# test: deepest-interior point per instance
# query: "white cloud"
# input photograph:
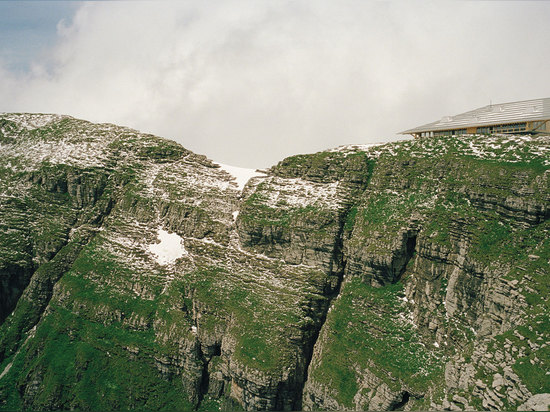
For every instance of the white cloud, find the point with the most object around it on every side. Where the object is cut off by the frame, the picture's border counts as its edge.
(248, 83)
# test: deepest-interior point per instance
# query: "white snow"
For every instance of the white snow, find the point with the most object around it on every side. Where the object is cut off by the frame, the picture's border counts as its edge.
(235, 214)
(169, 249)
(475, 150)
(348, 147)
(241, 174)
(296, 192)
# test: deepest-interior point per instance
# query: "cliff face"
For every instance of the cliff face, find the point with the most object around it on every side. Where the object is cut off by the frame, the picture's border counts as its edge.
(445, 283)
(136, 274)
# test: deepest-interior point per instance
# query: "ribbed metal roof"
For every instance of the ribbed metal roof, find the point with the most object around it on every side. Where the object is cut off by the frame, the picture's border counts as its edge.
(493, 114)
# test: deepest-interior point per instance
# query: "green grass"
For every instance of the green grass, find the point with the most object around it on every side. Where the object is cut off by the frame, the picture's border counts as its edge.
(365, 332)
(257, 325)
(256, 213)
(29, 308)
(161, 151)
(328, 167)
(83, 365)
(534, 375)
(350, 219)
(79, 347)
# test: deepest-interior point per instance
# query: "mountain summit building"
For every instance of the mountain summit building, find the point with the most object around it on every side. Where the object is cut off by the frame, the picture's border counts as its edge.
(528, 116)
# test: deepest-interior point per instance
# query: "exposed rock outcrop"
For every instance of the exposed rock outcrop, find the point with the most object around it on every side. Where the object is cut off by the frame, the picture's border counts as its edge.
(410, 275)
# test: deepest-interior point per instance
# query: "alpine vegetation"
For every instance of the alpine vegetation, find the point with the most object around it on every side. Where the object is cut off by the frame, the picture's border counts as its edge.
(135, 274)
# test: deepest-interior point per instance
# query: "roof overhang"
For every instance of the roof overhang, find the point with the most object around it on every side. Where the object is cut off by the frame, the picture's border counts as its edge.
(504, 113)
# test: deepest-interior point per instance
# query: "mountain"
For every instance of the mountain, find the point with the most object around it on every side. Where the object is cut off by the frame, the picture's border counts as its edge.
(135, 274)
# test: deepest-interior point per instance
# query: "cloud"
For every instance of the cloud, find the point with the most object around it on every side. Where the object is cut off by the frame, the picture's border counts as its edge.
(248, 83)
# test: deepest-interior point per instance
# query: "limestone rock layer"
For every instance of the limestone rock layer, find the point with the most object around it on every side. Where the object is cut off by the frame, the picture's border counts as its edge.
(137, 274)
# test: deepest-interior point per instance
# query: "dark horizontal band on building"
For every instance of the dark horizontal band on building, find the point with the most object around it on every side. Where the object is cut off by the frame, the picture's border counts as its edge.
(524, 127)
(528, 116)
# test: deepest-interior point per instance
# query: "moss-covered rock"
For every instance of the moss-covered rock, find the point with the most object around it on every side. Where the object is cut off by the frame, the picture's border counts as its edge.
(408, 275)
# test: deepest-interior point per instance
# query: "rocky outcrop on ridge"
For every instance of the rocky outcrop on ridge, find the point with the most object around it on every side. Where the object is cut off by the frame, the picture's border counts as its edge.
(137, 274)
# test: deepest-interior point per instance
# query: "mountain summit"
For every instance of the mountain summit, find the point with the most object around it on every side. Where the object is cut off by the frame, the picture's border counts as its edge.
(135, 274)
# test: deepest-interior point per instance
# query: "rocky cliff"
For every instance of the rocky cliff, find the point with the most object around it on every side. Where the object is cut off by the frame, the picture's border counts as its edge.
(137, 274)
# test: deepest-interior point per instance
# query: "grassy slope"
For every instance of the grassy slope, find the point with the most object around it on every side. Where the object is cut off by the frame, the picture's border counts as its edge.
(365, 328)
(100, 333)
(115, 311)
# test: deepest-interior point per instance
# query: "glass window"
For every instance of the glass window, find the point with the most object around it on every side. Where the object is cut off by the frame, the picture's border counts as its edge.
(539, 126)
(503, 128)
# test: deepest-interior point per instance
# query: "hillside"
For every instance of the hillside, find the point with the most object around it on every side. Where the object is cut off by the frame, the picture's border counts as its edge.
(135, 274)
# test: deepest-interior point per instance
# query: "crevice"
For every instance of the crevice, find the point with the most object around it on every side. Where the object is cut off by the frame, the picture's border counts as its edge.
(330, 293)
(15, 278)
(399, 403)
(409, 252)
(38, 291)
(13, 281)
(205, 380)
(202, 387)
(401, 261)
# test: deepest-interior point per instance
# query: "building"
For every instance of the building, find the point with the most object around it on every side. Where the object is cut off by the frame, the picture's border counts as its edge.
(529, 116)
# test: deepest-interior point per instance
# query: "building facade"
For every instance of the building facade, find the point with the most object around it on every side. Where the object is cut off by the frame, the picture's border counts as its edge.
(528, 116)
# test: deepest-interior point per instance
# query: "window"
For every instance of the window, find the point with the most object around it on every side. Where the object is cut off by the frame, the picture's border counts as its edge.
(503, 128)
(457, 132)
(510, 128)
(485, 130)
(539, 126)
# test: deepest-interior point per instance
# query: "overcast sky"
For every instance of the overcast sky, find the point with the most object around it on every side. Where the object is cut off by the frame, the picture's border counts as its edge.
(250, 82)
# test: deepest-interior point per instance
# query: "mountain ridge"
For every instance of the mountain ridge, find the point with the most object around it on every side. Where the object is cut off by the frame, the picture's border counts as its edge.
(358, 278)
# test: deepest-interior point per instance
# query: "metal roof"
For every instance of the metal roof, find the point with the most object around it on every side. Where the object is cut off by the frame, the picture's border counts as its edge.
(493, 114)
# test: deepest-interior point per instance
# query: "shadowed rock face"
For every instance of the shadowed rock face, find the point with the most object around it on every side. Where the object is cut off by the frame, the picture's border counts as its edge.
(411, 275)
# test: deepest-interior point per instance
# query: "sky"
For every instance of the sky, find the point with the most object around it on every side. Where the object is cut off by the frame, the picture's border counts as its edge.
(248, 83)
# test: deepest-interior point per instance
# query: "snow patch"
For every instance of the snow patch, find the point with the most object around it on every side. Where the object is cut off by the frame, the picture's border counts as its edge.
(296, 192)
(360, 147)
(169, 249)
(240, 174)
